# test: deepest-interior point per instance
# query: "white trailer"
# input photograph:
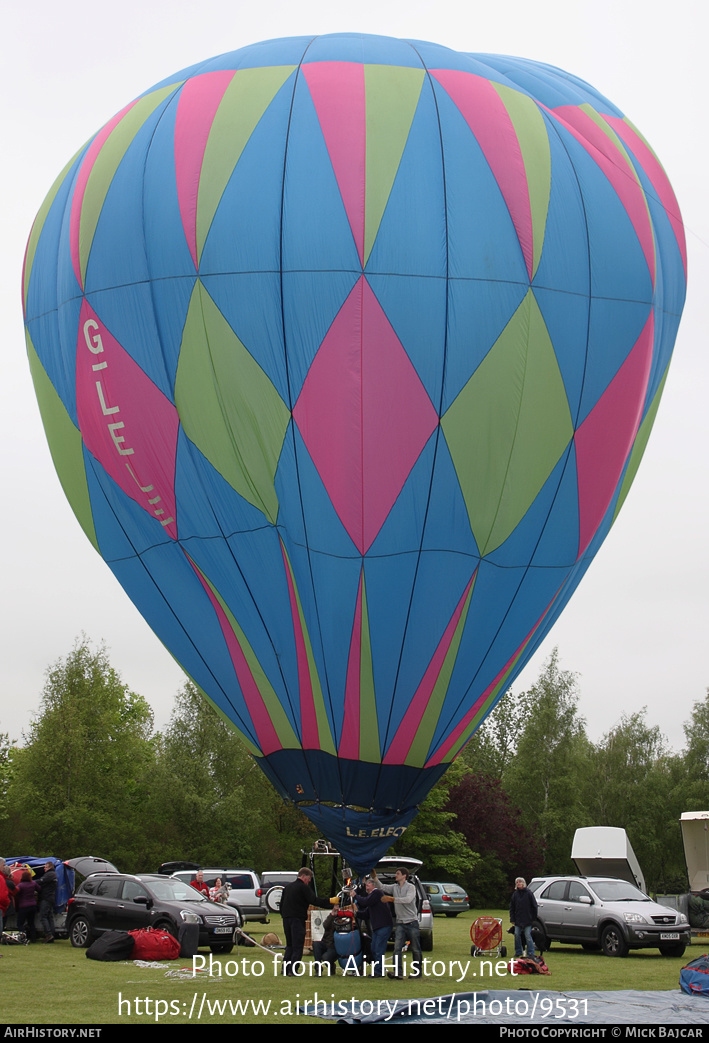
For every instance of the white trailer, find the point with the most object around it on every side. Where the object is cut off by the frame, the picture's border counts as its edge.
(606, 851)
(695, 838)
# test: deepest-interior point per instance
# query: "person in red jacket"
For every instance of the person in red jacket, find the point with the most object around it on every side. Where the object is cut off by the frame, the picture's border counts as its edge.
(4, 895)
(199, 884)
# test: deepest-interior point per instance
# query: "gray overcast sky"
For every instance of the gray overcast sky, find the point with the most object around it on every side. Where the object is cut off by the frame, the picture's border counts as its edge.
(637, 629)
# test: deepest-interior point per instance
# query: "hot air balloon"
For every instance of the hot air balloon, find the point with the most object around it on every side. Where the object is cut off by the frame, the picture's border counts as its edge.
(347, 349)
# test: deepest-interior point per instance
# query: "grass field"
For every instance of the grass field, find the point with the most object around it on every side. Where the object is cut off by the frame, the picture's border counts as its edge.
(56, 984)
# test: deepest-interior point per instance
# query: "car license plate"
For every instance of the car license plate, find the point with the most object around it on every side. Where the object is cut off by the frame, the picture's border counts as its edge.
(457, 899)
(228, 930)
(669, 936)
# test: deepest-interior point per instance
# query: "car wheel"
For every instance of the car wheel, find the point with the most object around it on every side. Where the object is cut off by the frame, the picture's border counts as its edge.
(590, 946)
(612, 941)
(539, 937)
(673, 950)
(273, 898)
(225, 948)
(426, 941)
(167, 925)
(451, 915)
(80, 933)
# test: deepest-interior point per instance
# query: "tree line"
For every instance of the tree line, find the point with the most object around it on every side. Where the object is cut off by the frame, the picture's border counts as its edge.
(93, 776)
(535, 777)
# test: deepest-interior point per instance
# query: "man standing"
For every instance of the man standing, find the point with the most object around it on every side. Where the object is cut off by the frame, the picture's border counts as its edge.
(295, 900)
(47, 895)
(199, 883)
(523, 913)
(403, 895)
(380, 922)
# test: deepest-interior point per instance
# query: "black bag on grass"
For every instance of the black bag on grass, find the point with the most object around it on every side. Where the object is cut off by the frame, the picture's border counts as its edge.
(111, 946)
(188, 938)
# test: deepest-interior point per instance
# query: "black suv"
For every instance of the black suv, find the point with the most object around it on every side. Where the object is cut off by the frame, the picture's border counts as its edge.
(119, 902)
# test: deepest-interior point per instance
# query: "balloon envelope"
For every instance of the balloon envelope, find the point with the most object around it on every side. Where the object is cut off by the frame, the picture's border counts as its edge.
(347, 350)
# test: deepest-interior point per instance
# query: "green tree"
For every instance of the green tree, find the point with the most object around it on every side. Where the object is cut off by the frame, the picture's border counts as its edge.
(7, 752)
(696, 754)
(623, 764)
(545, 778)
(493, 747)
(212, 803)
(80, 782)
(630, 781)
(431, 837)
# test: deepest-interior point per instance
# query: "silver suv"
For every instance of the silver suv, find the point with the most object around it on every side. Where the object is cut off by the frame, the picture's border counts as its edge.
(603, 913)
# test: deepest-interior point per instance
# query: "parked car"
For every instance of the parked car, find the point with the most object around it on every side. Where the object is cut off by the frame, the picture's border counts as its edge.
(446, 898)
(85, 865)
(386, 868)
(273, 882)
(121, 902)
(168, 868)
(66, 882)
(607, 914)
(246, 897)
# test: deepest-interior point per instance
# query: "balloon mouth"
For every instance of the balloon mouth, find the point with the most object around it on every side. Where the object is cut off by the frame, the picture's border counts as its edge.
(361, 835)
(383, 799)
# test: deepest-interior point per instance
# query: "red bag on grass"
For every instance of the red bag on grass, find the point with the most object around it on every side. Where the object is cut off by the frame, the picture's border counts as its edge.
(151, 944)
(525, 965)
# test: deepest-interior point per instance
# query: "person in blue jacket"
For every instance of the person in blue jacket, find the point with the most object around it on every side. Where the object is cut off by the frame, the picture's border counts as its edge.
(380, 921)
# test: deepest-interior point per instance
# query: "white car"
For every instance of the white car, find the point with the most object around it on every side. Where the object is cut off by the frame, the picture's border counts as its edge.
(273, 882)
(246, 895)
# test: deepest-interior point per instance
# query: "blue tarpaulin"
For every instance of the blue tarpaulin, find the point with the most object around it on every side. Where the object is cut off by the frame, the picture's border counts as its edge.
(65, 875)
(522, 1007)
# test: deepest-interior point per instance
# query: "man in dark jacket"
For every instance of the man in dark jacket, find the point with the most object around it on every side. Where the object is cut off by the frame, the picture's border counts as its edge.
(380, 922)
(47, 895)
(523, 913)
(295, 900)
